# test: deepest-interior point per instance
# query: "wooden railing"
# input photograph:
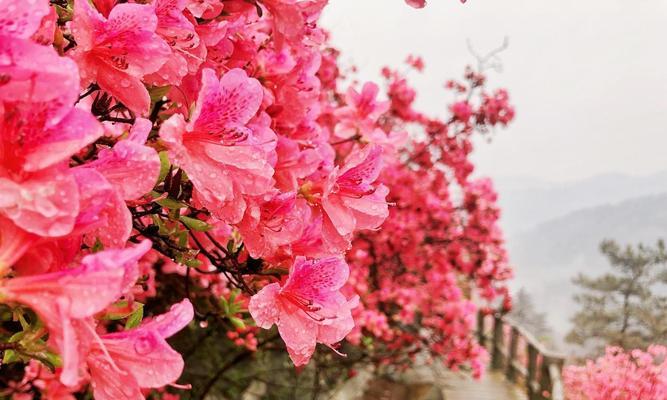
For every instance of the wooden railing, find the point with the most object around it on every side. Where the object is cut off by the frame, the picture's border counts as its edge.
(524, 360)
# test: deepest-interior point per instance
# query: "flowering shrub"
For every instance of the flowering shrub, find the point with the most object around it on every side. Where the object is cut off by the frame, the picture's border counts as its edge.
(620, 374)
(195, 159)
(441, 240)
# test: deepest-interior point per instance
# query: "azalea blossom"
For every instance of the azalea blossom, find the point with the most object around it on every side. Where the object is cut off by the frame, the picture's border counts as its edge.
(64, 299)
(123, 363)
(361, 113)
(117, 51)
(273, 222)
(187, 53)
(225, 154)
(153, 150)
(309, 308)
(351, 200)
(39, 131)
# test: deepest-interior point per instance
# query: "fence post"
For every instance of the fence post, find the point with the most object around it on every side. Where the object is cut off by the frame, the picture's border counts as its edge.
(511, 355)
(481, 335)
(532, 372)
(496, 352)
(546, 384)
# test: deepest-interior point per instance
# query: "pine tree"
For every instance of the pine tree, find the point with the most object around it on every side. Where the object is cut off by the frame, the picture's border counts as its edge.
(625, 307)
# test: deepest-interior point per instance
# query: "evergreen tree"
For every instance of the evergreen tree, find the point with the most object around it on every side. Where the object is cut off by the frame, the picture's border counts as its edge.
(625, 307)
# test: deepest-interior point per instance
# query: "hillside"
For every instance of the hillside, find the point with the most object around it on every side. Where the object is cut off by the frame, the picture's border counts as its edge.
(547, 256)
(527, 202)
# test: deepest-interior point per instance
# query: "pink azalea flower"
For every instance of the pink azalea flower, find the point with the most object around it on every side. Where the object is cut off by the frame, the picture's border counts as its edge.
(361, 113)
(51, 388)
(187, 52)
(205, 8)
(269, 224)
(45, 35)
(294, 163)
(350, 200)
(65, 298)
(14, 243)
(21, 18)
(116, 52)
(225, 154)
(103, 214)
(130, 166)
(104, 6)
(39, 131)
(123, 363)
(309, 308)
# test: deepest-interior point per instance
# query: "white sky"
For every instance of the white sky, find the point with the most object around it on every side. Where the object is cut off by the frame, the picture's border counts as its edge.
(588, 77)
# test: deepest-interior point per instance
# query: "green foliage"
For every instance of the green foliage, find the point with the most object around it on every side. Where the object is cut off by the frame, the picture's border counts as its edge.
(626, 307)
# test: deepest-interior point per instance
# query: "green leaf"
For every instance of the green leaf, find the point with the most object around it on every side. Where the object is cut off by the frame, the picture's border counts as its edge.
(158, 92)
(237, 322)
(193, 263)
(10, 356)
(54, 359)
(225, 305)
(164, 165)
(135, 318)
(195, 224)
(171, 203)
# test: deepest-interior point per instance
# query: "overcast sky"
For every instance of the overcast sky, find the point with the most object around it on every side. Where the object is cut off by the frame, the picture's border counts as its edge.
(588, 78)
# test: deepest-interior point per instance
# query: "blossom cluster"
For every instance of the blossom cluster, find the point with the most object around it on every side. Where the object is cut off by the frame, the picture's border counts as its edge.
(208, 141)
(619, 374)
(441, 243)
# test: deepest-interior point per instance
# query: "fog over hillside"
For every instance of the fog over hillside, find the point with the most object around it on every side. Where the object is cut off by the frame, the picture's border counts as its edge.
(553, 231)
(527, 202)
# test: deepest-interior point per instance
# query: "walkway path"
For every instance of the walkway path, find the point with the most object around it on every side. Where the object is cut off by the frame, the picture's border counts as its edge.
(429, 383)
(493, 386)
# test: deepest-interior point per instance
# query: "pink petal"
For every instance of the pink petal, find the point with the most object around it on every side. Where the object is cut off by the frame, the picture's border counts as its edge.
(369, 211)
(78, 292)
(364, 165)
(86, 23)
(146, 356)
(416, 3)
(95, 193)
(46, 203)
(334, 242)
(263, 306)
(116, 224)
(315, 279)
(46, 32)
(21, 18)
(132, 28)
(109, 383)
(130, 166)
(104, 6)
(334, 330)
(39, 77)
(232, 100)
(298, 331)
(128, 89)
(67, 336)
(14, 243)
(124, 260)
(340, 215)
(75, 131)
(167, 324)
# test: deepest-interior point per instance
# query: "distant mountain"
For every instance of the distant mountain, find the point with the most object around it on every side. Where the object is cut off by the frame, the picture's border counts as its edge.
(549, 254)
(527, 202)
